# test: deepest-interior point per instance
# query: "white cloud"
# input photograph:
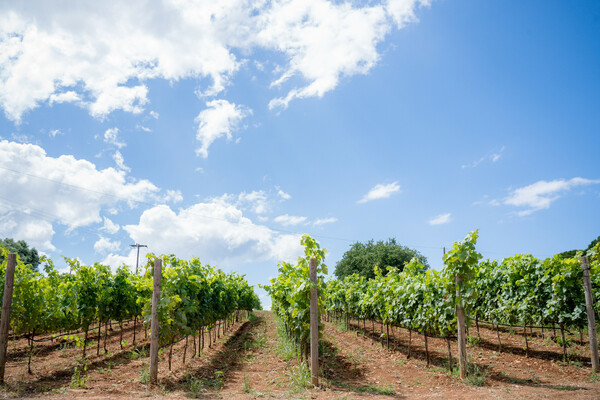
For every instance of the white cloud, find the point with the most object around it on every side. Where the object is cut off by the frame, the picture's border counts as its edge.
(440, 219)
(153, 114)
(55, 132)
(116, 260)
(494, 157)
(380, 191)
(143, 128)
(541, 194)
(26, 225)
(63, 190)
(473, 164)
(216, 231)
(111, 136)
(99, 55)
(289, 220)
(21, 138)
(104, 245)
(109, 226)
(324, 221)
(283, 195)
(118, 157)
(403, 11)
(173, 196)
(323, 41)
(64, 97)
(256, 201)
(219, 119)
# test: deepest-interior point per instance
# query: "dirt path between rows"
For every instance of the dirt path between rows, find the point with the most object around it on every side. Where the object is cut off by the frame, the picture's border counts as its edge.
(250, 361)
(508, 374)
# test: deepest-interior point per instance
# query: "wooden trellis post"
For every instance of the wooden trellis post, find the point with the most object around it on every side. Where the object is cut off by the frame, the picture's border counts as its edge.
(587, 286)
(314, 325)
(11, 262)
(154, 324)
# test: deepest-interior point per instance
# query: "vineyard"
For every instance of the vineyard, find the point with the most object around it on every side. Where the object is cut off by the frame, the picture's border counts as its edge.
(194, 299)
(520, 292)
(88, 331)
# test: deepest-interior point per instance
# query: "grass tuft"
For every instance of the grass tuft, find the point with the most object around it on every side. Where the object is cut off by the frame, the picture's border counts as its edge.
(299, 377)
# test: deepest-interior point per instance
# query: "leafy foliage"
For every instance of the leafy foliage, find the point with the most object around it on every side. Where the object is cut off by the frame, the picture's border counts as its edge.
(362, 258)
(415, 298)
(192, 296)
(573, 253)
(290, 291)
(29, 256)
(519, 290)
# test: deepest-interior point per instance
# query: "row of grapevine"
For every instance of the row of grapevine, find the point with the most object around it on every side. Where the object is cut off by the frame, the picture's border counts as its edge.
(520, 290)
(290, 293)
(418, 299)
(193, 297)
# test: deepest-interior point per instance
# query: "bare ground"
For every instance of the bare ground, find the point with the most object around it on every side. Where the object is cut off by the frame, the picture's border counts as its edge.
(248, 363)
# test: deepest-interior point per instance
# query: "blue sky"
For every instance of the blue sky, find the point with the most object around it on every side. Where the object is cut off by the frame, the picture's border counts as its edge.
(227, 130)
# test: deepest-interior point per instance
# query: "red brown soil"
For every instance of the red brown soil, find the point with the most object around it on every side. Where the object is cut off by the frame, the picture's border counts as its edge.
(246, 363)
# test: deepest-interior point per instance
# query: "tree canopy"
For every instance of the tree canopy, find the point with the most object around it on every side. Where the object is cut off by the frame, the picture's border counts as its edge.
(27, 255)
(363, 257)
(572, 253)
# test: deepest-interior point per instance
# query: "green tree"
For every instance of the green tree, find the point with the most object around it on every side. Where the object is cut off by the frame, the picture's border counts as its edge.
(363, 257)
(573, 253)
(29, 256)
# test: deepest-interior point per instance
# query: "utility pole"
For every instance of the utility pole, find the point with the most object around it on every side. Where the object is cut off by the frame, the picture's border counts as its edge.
(137, 260)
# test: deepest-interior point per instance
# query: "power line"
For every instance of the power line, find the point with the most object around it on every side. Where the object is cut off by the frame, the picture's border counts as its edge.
(277, 230)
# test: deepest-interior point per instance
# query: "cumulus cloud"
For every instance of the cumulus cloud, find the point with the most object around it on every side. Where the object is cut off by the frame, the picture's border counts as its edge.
(539, 195)
(219, 119)
(63, 190)
(283, 195)
(380, 191)
(173, 196)
(289, 220)
(100, 55)
(115, 260)
(25, 225)
(118, 157)
(323, 41)
(109, 226)
(104, 245)
(256, 201)
(64, 97)
(403, 11)
(440, 219)
(111, 136)
(215, 231)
